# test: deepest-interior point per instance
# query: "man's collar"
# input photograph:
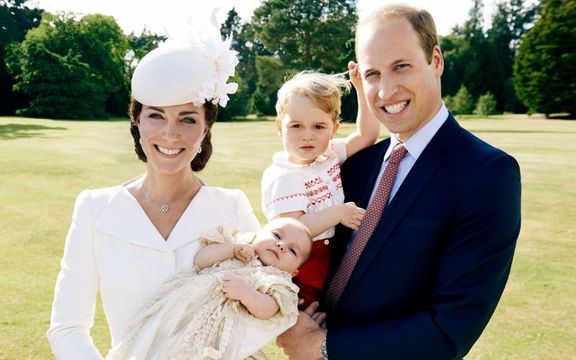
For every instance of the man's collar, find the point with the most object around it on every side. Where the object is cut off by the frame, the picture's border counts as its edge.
(416, 143)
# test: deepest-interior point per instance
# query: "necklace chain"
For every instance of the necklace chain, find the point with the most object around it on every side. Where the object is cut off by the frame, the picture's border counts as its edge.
(164, 206)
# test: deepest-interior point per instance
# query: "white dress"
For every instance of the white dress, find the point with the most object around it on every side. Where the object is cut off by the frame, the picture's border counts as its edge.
(112, 248)
(189, 317)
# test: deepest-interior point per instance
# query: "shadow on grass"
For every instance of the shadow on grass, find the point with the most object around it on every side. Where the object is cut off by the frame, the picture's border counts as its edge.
(17, 131)
(562, 117)
(247, 119)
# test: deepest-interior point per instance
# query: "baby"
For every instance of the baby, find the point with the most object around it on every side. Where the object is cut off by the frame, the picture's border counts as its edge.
(237, 298)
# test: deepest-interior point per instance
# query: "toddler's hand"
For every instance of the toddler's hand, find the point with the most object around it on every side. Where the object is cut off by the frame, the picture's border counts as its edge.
(352, 215)
(235, 288)
(243, 252)
(354, 74)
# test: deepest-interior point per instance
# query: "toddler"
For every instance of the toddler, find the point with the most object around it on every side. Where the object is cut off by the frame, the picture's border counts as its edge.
(304, 179)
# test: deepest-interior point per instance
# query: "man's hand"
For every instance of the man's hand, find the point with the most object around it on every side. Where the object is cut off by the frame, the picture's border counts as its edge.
(352, 215)
(243, 252)
(303, 340)
(235, 288)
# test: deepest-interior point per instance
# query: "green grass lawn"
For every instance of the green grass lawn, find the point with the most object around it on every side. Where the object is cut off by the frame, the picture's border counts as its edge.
(44, 164)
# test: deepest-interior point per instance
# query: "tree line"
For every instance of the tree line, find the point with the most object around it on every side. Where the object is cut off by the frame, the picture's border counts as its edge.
(63, 66)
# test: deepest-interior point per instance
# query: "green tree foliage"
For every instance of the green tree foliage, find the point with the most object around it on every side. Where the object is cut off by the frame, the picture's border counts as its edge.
(246, 73)
(306, 34)
(509, 23)
(140, 45)
(271, 74)
(457, 54)
(461, 103)
(239, 103)
(104, 47)
(16, 18)
(467, 55)
(70, 68)
(481, 73)
(303, 34)
(482, 61)
(486, 105)
(544, 69)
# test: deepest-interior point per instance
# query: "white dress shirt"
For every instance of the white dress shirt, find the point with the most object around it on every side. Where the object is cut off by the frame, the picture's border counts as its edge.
(415, 145)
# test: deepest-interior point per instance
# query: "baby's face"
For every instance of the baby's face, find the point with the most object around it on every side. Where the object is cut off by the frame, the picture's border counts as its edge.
(283, 244)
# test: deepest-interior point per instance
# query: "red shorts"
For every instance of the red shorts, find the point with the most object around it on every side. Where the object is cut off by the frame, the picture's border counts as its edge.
(312, 274)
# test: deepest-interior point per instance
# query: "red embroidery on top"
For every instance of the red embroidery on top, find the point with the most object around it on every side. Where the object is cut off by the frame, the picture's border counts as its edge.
(308, 184)
(319, 200)
(287, 197)
(317, 191)
(334, 168)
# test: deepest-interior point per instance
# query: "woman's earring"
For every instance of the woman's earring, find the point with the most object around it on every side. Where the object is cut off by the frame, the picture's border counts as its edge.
(199, 149)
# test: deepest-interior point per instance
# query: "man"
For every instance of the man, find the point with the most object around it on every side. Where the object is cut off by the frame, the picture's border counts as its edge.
(428, 275)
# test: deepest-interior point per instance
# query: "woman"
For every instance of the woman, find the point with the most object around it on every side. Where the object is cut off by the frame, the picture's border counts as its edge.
(126, 240)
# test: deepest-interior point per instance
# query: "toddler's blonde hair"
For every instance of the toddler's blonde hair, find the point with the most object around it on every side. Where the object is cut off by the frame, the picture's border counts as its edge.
(324, 90)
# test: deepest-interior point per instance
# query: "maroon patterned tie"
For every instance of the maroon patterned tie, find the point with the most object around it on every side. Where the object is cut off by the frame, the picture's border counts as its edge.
(371, 219)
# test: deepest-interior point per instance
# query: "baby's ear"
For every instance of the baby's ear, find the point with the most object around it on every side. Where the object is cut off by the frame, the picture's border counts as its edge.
(294, 273)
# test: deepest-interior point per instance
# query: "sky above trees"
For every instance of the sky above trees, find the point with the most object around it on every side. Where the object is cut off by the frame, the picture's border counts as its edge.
(133, 15)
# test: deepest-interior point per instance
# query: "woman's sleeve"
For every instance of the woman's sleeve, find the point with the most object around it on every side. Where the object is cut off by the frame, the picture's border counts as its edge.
(76, 290)
(246, 220)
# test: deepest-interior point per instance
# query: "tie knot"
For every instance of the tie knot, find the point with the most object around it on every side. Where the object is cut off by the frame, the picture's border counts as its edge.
(398, 153)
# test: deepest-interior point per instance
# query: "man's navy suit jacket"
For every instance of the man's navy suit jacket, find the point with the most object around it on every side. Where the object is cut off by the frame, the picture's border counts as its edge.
(432, 273)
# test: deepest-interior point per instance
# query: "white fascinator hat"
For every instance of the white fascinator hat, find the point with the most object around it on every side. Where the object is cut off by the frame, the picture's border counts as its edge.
(190, 69)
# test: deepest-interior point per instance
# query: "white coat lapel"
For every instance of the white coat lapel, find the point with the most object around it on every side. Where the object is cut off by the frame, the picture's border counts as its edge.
(204, 213)
(125, 219)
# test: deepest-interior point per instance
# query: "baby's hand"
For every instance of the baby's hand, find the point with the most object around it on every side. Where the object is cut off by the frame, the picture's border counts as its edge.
(235, 288)
(354, 74)
(243, 252)
(352, 215)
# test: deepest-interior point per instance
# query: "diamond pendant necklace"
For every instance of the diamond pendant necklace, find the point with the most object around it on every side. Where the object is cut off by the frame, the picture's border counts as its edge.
(164, 206)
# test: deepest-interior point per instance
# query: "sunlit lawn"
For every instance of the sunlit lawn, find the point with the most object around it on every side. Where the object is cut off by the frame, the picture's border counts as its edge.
(44, 164)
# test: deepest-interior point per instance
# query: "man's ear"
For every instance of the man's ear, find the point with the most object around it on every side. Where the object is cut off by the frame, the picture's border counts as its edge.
(438, 60)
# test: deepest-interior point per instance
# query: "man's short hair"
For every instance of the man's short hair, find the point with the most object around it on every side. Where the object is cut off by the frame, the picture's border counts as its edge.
(420, 19)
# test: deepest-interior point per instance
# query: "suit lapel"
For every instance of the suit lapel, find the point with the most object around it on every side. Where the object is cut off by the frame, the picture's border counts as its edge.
(363, 196)
(426, 165)
(357, 185)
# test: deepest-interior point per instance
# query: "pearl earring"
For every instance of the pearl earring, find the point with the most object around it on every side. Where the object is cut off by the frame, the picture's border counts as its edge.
(199, 149)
